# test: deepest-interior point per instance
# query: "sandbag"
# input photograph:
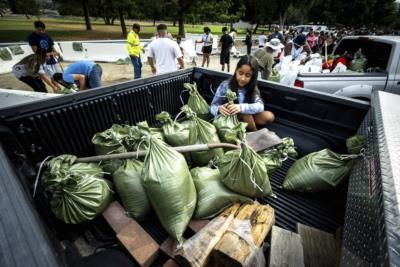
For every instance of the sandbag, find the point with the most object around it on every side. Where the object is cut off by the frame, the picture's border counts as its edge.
(212, 195)
(77, 191)
(128, 184)
(273, 158)
(196, 102)
(134, 140)
(202, 132)
(359, 62)
(275, 76)
(226, 125)
(169, 187)
(176, 134)
(111, 141)
(317, 171)
(244, 171)
(355, 143)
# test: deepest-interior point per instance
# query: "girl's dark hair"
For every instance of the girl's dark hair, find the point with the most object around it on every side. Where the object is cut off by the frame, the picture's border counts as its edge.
(206, 30)
(251, 88)
(34, 61)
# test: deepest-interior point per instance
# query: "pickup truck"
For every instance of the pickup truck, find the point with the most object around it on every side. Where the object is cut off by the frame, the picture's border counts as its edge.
(365, 205)
(382, 52)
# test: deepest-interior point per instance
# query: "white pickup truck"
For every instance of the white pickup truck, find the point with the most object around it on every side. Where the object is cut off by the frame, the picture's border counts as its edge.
(382, 70)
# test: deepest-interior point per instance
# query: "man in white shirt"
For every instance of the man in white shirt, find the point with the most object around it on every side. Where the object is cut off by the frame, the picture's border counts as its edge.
(262, 39)
(164, 52)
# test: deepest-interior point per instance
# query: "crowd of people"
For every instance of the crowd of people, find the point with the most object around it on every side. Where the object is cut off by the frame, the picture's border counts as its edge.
(164, 54)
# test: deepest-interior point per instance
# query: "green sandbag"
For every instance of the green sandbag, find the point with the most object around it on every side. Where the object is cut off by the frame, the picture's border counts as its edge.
(275, 76)
(355, 143)
(175, 133)
(244, 171)
(169, 187)
(202, 132)
(111, 141)
(359, 63)
(128, 184)
(317, 171)
(196, 102)
(226, 125)
(272, 159)
(16, 50)
(77, 191)
(212, 196)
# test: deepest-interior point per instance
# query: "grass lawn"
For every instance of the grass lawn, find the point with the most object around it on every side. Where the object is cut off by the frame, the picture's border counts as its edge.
(15, 29)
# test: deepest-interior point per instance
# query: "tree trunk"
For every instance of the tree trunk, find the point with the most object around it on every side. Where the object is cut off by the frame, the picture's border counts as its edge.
(154, 22)
(86, 14)
(122, 20)
(231, 23)
(181, 26)
(282, 19)
(255, 28)
(13, 6)
(174, 23)
(113, 20)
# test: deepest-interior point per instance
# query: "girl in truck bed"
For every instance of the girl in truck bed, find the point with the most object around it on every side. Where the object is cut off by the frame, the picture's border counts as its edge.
(249, 106)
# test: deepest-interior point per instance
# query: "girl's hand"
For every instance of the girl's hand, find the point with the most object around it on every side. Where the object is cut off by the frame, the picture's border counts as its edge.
(234, 109)
(224, 110)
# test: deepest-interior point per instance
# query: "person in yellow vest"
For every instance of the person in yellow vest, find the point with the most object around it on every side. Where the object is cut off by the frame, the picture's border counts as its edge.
(134, 48)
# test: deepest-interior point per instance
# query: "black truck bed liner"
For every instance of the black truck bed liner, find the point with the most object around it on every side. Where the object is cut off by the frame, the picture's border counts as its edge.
(31, 132)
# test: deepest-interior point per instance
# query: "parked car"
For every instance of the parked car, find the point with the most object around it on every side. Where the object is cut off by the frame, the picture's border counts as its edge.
(382, 72)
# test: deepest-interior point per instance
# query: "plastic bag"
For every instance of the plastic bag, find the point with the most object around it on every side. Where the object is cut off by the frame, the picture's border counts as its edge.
(212, 196)
(202, 132)
(128, 184)
(196, 102)
(226, 125)
(244, 171)
(176, 134)
(169, 186)
(77, 191)
(339, 68)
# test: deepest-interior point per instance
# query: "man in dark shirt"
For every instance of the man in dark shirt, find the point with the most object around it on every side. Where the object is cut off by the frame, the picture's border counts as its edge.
(276, 34)
(40, 41)
(226, 42)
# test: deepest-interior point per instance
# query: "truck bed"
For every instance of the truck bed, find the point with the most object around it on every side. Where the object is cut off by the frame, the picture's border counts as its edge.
(31, 132)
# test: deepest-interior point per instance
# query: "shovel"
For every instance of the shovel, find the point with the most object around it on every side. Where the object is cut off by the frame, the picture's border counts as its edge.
(259, 140)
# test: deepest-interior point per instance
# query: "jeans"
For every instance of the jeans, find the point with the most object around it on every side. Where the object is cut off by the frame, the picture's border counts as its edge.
(94, 79)
(36, 83)
(137, 67)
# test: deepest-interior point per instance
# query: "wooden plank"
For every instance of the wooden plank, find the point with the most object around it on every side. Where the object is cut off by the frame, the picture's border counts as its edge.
(116, 216)
(170, 263)
(234, 250)
(196, 225)
(318, 246)
(286, 249)
(139, 244)
(195, 251)
(169, 246)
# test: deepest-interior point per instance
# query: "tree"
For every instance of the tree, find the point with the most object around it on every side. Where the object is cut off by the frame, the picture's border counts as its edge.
(68, 7)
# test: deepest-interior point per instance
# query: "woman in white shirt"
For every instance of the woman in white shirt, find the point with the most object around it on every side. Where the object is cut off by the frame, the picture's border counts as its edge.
(207, 40)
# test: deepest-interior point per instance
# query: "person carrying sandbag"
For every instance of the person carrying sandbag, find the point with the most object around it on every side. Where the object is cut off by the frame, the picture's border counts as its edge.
(249, 106)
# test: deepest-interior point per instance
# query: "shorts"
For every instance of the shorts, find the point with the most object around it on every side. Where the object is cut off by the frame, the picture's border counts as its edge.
(225, 57)
(206, 49)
